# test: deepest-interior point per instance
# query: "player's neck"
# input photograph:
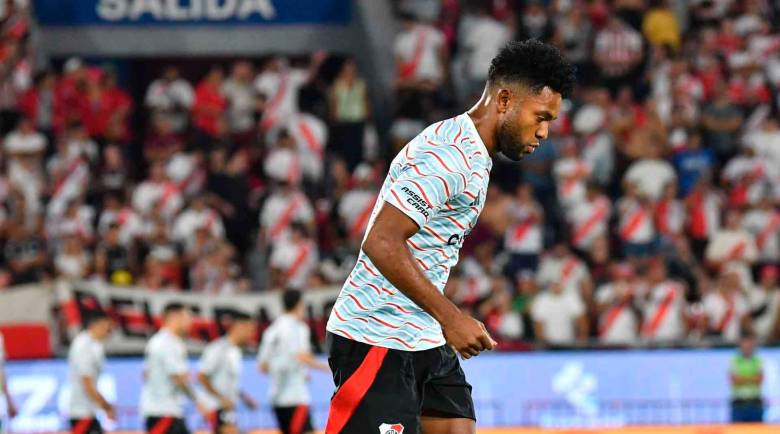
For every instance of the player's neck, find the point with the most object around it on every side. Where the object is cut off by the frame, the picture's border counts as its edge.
(480, 114)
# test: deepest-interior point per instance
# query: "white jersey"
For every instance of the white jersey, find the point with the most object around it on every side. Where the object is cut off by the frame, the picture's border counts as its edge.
(724, 313)
(618, 324)
(164, 357)
(570, 176)
(731, 246)
(85, 359)
(570, 271)
(636, 221)
(152, 195)
(662, 312)
(418, 52)
(130, 224)
(221, 363)
(589, 221)
(558, 314)
(765, 227)
(284, 340)
(296, 260)
(311, 135)
(651, 176)
(525, 234)
(281, 209)
(188, 222)
(355, 209)
(281, 92)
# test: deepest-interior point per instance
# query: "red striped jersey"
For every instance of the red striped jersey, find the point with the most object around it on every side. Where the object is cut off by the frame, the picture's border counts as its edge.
(439, 180)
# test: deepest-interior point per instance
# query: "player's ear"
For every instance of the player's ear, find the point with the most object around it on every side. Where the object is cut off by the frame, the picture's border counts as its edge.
(503, 100)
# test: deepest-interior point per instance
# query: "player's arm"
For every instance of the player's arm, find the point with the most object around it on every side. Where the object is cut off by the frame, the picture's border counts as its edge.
(309, 360)
(224, 402)
(248, 400)
(91, 390)
(385, 245)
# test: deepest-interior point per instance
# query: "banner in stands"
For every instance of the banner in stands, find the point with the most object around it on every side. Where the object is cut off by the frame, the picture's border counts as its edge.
(137, 312)
(192, 12)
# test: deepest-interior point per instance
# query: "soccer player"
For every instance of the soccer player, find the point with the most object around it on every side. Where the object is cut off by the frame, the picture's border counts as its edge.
(85, 362)
(220, 373)
(4, 386)
(394, 337)
(165, 375)
(285, 355)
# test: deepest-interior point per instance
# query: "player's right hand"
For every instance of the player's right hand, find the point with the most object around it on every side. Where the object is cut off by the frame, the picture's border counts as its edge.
(467, 336)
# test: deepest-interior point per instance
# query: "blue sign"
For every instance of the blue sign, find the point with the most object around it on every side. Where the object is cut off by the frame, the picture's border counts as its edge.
(528, 389)
(197, 12)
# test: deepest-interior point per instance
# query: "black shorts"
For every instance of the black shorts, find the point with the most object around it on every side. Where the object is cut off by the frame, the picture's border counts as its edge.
(294, 420)
(220, 417)
(166, 425)
(380, 388)
(87, 425)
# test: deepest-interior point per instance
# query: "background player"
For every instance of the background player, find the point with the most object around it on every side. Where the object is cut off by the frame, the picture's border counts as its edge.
(391, 320)
(285, 354)
(4, 386)
(85, 363)
(165, 375)
(220, 373)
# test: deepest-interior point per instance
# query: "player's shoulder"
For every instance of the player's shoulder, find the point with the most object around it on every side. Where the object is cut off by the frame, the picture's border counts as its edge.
(446, 143)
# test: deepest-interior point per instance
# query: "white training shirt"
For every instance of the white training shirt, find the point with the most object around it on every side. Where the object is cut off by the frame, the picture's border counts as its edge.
(85, 359)
(282, 342)
(165, 356)
(221, 362)
(558, 313)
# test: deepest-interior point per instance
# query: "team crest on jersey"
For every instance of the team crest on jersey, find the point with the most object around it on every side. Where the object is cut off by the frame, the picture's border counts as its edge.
(388, 428)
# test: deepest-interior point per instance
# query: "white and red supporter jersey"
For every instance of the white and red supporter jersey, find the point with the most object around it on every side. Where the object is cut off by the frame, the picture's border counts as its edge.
(284, 165)
(311, 136)
(281, 92)
(191, 220)
(296, 260)
(130, 223)
(525, 234)
(589, 221)
(69, 177)
(58, 226)
(618, 324)
(355, 209)
(570, 271)
(724, 313)
(636, 221)
(703, 214)
(669, 216)
(281, 209)
(731, 246)
(662, 312)
(764, 302)
(188, 175)
(570, 176)
(475, 282)
(765, 227)
(418, 53)
(162, 195)
(746, 176)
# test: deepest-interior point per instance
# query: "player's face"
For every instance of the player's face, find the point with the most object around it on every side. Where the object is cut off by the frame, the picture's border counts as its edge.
(243, 330)
(527, 122)
(102, 328)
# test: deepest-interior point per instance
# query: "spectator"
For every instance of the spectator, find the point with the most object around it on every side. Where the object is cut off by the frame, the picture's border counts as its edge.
(596, 142)
(187, 172)
(70, 175)
(228, 188)
(693, 162)
(25, 252)
(562, 266)
(662, 304)
(76, 220)
(350, 110)
(162, 141)
(480, 37)
(420, 55)
(117, 212)
(240, 95)
(764, 300)
(589, 218)
(476, 276)
(73, 262)
(732, 244)
(209, 106)
(726, 308)
(280, 84)
(523, 237)
(636, 229)
(721, 121)
(114, 171)
(501, 319)
(213, 273)
(357, 204)
(115, 260)
(660, 25)
(763, 223)
(534, 22)
(669, 214)
(765, 142)
(24, 149)
(651, 173)
(559, 317)
(172, 97)
(37, 103)
(294, 259)
(617, 317)
(197, 215)
(571, 174)
(310, 135)
(157, 192)
(285, 205)
(745, 176)
(703, 205)
(574, 35)
(618, 51)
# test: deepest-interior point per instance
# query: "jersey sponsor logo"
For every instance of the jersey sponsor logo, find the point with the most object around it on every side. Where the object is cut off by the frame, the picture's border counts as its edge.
(417, 202)
(387, 428)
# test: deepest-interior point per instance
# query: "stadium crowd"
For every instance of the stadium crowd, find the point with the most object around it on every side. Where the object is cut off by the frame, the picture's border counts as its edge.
(649, 216)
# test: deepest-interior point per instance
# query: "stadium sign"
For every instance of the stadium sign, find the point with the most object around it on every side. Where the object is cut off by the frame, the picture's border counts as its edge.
(138, 312)
(200, 12)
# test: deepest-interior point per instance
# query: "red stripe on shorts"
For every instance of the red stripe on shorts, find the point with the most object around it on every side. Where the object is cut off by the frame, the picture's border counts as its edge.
(349, 395)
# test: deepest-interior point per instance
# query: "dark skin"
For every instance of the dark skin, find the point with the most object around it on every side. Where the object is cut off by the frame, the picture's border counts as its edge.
(511, 119)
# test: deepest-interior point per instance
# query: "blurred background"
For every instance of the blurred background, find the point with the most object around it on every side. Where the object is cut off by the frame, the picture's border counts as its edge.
(214, 152)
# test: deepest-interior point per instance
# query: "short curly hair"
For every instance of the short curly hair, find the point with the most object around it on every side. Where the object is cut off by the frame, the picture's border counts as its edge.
(534, 64)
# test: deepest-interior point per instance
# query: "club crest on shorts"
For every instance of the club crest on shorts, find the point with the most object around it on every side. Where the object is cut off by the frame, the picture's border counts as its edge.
(391, 428)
